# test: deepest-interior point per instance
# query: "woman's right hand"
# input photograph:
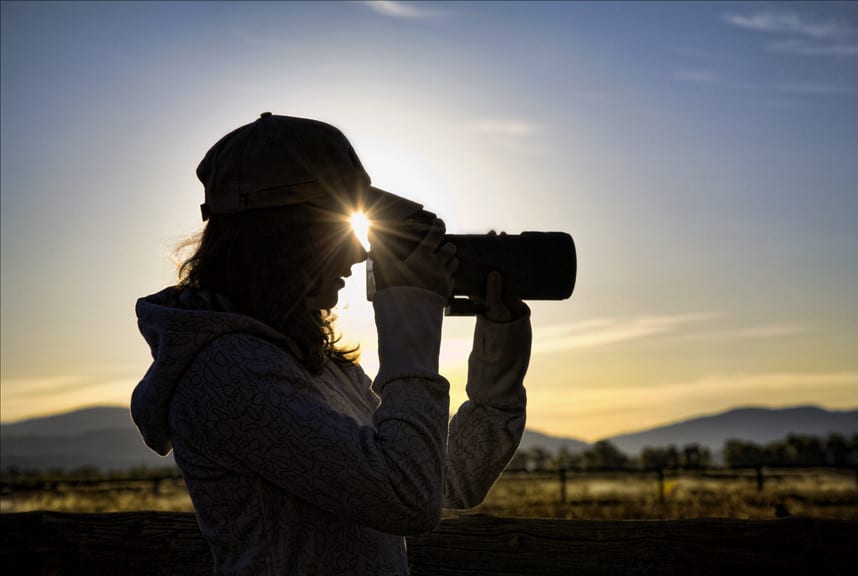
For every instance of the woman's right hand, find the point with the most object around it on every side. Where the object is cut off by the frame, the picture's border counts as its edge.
(431, 265)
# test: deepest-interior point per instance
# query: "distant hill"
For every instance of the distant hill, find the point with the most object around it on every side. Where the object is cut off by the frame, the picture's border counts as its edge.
(758, 425)
(553, 444)
(71, 423)
(106, 449)
(105, 437)
(102, 437)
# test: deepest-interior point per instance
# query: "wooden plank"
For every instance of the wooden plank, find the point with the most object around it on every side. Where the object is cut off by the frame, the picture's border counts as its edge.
(129, 543)
(147, 543)
(485, 545)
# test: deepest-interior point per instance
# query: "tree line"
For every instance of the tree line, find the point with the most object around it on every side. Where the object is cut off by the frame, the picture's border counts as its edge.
(796, 450)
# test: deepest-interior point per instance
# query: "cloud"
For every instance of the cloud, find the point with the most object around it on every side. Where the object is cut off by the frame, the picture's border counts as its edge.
(790, 23)
(506, 127)
(819, 89)
(709, 78)
(806, 48)
(747, 333)
(407, 10)
(32, 396)
(28, 387)
(600, 332)
(697, 76)
(801, 35)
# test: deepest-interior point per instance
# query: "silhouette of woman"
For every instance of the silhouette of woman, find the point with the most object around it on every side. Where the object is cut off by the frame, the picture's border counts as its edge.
(295, 461)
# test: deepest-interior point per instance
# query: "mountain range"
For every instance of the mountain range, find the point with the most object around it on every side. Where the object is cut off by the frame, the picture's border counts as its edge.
(758, 425)
(105, 437)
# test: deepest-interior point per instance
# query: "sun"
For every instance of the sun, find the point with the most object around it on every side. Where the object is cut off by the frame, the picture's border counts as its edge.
(360, 225)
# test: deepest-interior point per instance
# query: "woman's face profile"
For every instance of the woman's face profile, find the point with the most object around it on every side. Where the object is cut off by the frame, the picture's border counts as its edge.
(339, 250)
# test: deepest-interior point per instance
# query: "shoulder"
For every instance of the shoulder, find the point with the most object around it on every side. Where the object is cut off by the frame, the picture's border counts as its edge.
(239, 378)
(239, 354)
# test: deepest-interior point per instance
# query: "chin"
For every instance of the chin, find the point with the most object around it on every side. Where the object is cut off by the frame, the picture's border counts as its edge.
(321, 302)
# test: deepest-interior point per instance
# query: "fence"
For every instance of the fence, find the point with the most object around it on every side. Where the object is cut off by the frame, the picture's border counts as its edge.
(148, 543)
(570, 494)
(753, 475)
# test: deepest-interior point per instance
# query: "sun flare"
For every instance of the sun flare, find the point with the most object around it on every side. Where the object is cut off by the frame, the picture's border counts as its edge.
(360, 225)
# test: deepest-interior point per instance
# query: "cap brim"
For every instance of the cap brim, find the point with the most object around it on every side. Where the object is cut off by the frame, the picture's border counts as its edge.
(383, 205)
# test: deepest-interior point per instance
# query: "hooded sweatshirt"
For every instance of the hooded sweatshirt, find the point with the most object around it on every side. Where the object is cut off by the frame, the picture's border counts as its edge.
(295, 473)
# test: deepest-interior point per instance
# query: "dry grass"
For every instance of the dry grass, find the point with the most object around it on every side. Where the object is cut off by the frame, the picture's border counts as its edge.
(109, 496)
(821, 493)
(814, 493)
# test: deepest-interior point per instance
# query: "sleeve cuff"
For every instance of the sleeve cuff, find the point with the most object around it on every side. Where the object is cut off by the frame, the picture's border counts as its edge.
(498, 361)
(408, 320)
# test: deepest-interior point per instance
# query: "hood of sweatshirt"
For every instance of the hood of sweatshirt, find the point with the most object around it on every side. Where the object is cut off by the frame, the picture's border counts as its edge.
(178, 323)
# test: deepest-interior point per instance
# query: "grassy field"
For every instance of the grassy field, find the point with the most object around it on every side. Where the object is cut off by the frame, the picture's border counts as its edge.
(157, 490)
(822, 493)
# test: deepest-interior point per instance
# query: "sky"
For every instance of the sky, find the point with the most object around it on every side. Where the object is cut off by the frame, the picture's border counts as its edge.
(702, 156)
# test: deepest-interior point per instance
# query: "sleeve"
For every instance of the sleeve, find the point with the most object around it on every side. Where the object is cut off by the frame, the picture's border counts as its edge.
(486, 430)
(261, 414)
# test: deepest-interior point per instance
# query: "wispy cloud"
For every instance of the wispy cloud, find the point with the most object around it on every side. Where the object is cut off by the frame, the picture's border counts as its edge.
(698, 76)
(32, 396)
(506, 127)
(708, 78)
(771, 331)
(807, 48)
(394, 9)
(600, 332)
(606, 331)
(819, 89)
(790, 23)
(758, 332)
(799, 34)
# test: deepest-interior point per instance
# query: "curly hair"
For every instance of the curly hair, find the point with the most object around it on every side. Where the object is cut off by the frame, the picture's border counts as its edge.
(266, 262)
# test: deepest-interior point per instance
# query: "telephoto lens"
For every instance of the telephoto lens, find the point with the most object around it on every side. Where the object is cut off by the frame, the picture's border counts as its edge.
(534, 265)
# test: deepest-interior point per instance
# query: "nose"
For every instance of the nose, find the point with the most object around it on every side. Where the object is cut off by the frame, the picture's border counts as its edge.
(356, 251)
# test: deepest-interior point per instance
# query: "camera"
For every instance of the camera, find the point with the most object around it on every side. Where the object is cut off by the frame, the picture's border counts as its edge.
(534, 265)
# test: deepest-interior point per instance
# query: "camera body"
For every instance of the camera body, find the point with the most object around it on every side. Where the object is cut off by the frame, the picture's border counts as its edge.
(534, 265)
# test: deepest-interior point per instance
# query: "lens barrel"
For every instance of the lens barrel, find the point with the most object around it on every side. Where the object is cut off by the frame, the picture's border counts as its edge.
(534, 265)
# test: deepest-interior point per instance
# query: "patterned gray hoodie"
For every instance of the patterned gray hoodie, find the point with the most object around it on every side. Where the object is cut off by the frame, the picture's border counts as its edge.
(294, 473)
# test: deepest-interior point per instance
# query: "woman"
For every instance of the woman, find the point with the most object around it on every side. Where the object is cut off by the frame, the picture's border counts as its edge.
(295, 461)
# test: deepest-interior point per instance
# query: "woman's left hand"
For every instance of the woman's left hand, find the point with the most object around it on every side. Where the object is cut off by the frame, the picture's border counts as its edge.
(497, 307)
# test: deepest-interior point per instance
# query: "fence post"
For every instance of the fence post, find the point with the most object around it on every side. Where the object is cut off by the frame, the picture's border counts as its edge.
(760, 479)
(660, 471)
(563, 485)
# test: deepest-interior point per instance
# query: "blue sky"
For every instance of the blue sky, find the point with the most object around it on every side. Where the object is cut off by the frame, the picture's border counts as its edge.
(701, 154)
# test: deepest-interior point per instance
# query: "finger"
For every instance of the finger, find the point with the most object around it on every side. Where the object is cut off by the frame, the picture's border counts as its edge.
(450, 286)
(433, 237)
(451, 265)
(447, 250)
(494, 290)
(496, 310)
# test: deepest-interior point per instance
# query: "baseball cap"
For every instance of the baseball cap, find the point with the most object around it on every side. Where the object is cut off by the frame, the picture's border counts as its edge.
(284, 160)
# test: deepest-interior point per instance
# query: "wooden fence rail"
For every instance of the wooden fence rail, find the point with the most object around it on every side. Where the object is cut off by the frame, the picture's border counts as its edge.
(151, 543)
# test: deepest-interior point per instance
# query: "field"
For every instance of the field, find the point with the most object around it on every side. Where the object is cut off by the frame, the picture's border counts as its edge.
(820, 493)
(162, 490)
(815, 492)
